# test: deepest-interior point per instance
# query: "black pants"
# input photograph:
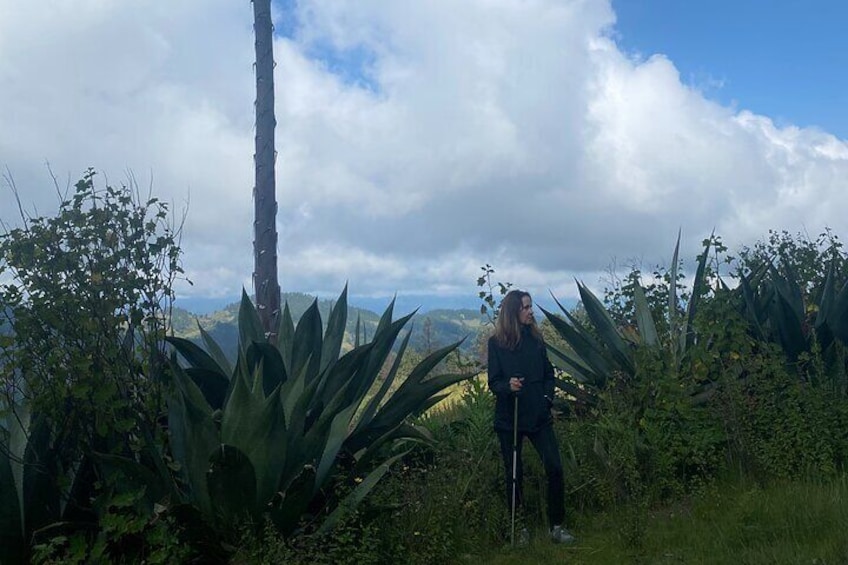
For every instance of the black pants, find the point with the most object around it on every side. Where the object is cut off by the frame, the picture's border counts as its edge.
(546, 445)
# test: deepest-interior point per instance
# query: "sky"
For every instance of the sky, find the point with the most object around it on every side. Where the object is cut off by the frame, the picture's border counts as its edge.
(420, 140)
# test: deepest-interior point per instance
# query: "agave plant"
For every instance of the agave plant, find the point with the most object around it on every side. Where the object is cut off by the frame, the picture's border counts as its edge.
(601, 350)
(772, 302)
(268, 434)
(30, 498)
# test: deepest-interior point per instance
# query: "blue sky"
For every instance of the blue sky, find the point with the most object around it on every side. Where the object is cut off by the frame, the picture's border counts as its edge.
(421, 139)
(783, 58)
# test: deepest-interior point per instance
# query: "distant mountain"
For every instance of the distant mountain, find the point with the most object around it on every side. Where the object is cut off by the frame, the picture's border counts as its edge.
(431, 330)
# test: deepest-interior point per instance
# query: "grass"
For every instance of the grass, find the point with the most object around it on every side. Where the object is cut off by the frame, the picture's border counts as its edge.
(790, 523)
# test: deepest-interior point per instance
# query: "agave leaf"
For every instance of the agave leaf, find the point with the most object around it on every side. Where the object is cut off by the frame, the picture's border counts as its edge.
(296, 494)
(371, 408)
(404, 432)
(838, 315)
(306, 349)
(255, 424)
(12, 534)
(335, 438)
(751, 311)
(212, 384)
(788, 326)
(789, 290)
(356, 337)
(381, 346)
(12, 508)
(420, 372)
(41, 497)
(334, 335)
(342, 374)
(644, 319)
(216, 352)
(575, 367)
(672, 294)
(581, 395)
(231, 481)
(352, 500)
(273, 373)
(19, 419)
(386, 318)
(196, 357)
(827, 296)
(413, 401)
(285, 336)
(250, 326)
(291, 392)
(699, 288)
(584, 346)
(193, 436)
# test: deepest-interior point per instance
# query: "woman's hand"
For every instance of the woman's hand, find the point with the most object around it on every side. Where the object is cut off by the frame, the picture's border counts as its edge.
(515, 383)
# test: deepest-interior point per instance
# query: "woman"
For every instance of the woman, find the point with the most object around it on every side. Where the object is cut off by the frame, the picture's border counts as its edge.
(520, 372)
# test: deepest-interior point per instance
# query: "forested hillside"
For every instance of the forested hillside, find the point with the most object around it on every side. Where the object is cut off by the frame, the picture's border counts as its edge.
(431, 330)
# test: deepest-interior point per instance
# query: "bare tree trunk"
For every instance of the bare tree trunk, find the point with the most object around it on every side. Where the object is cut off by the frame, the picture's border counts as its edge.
(265, 282)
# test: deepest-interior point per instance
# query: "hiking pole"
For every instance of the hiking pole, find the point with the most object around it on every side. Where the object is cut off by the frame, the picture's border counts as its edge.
(514, 464)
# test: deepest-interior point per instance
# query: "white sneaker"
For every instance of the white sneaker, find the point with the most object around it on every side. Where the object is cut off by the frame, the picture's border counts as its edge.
(561, 535)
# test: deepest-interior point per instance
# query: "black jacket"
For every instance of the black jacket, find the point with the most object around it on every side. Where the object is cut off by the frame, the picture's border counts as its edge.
(529, 359)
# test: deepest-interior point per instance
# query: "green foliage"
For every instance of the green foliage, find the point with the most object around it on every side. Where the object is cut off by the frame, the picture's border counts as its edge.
(490, 302)
(126, 533)
(85, 307)
(807, 319)
(600, 349)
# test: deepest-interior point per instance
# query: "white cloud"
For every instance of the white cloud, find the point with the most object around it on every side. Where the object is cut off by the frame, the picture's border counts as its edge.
(501, 131)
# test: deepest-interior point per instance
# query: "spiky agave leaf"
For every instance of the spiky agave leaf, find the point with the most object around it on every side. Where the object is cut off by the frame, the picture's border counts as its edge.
(255, 424)
(644, 318)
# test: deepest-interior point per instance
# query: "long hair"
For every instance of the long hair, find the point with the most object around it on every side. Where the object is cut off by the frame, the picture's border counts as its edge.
(508, 326)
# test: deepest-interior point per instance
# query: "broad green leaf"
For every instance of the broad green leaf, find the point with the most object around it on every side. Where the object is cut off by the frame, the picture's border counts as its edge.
(334, 335)
(356, 337)
(250, 326)
(335, 438)
(12, 533)
(308, 342)
(273, 372)
(231, 481)
(827, 296)
(212, 384)
(285, 337)
(838, 316)
(41, 496)
(579, 394)
(699, 288)
(574, 366)
(291, 392)
(368, 414)
(644, 319)
(193, 436)
(255, 424)
(216, 352)
(584, 346)
(673, 317)
(196, 357)
(296, 495)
